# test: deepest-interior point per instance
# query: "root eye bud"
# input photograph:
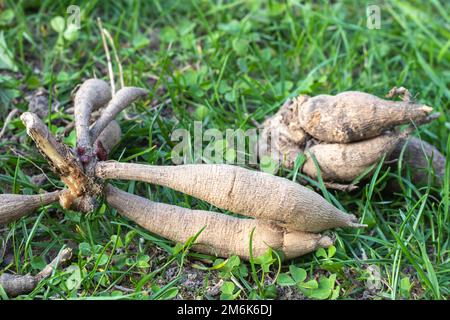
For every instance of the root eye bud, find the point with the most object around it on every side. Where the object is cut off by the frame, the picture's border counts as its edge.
(100, 152)
(84, 159)
(81, 151)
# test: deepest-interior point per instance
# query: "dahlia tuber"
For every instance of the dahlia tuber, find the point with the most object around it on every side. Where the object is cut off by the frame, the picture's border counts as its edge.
(123, 98)
(354, 116)
(108, 139)
(287, 215)
(15, 285)
(91, 95)
(347, 134)
(223, 235)
(251, 193)
(345, 162)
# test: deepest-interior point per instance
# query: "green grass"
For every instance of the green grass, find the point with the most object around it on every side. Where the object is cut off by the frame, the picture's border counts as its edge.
(229, 64)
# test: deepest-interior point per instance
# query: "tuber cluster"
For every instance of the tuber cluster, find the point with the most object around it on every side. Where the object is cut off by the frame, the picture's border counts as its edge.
(282, 214)
(344, 136)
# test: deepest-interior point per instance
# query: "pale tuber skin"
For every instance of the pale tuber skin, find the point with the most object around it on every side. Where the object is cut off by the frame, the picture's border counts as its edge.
(345, 162)
(354, 116)
(223, 235)
(108, 140)
(123, 98)
(251, 193)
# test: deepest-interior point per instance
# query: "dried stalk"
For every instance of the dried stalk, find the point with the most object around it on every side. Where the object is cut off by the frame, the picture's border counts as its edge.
(108, 57)
(7, 121)
(15, 285)
(116, 56)
(62, 161)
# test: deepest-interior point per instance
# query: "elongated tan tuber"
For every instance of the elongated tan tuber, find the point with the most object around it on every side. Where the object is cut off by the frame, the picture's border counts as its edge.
(223, 235)
(416, 156)
(347, 133)
(15, 285)
(123, 98)
(92, 94)
(345, 162)
(353, 116)
(14, 206)
(251, 193)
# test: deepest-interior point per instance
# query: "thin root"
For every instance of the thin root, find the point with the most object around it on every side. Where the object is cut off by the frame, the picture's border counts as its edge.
(15, 285)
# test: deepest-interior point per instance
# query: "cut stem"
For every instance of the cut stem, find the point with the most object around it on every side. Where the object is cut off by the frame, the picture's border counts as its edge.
(64, 163)
(59, 156)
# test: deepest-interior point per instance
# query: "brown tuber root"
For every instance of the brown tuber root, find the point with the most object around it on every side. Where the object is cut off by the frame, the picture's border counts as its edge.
(15, 285)
(123, 98)
(14, 206)
(223, 235)
(348, 134)
(417, 154)
(108, 140)
(353, 116)
(345, 162)
(251, 193)
(92, 95)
